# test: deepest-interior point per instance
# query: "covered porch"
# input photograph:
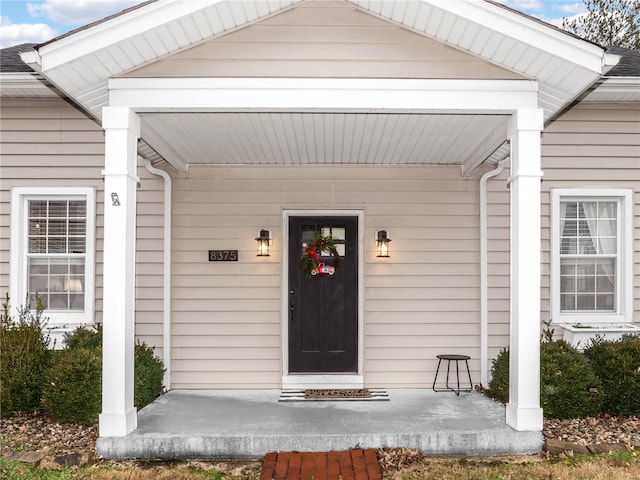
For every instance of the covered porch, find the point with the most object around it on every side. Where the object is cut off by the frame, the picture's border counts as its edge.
(207, 424)
(208, 127)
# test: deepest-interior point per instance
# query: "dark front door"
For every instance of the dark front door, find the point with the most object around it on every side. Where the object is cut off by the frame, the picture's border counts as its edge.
(323, 309)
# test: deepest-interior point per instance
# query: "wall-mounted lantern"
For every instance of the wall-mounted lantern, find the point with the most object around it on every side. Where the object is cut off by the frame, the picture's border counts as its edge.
(382, 243)
(263, 243)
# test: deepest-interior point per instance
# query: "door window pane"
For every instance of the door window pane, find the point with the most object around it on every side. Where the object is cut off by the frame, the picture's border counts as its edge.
(336, 233)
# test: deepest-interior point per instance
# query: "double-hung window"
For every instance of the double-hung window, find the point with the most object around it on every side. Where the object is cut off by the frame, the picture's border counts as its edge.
(52, 252)
(591, 256)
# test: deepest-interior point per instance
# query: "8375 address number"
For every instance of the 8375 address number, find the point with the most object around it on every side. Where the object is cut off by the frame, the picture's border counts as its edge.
(223, 255)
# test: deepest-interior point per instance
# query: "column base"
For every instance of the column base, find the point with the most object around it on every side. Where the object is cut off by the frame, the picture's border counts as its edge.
(118, 424)
(524, 419)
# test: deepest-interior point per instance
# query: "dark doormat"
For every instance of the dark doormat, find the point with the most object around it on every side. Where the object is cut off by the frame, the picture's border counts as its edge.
(333, 394)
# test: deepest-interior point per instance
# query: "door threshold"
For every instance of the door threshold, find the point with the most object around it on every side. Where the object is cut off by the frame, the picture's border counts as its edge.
(333, 380)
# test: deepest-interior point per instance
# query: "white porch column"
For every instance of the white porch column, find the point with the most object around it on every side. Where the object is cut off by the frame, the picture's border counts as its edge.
(523, 410)
(122, 129)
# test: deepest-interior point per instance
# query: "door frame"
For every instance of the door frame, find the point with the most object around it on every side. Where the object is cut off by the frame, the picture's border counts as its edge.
(337, 380)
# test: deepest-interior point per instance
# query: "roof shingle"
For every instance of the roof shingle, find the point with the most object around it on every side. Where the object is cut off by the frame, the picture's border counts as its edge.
(10, 60)
(629, 65)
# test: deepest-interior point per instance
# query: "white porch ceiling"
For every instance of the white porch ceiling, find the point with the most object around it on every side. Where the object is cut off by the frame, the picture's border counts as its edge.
(319, 138)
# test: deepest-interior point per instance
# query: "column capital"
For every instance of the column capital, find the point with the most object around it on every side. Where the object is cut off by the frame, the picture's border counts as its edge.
(525, 128)
(526, 119)
(121, 118)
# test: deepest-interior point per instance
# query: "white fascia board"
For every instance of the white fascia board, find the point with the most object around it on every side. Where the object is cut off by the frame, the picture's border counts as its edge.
(104, 34)
(32, 58)
(361, 95)
(528, 31)
(610, 60)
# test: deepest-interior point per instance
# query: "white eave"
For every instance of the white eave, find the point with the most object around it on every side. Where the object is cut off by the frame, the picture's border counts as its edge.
(615, 89)
(25, 85)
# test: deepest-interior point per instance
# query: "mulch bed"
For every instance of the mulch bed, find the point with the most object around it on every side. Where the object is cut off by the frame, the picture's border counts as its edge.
(35, 432)
(604, 429)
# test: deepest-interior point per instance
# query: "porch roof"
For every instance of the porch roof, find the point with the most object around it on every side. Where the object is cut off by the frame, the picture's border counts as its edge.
(557, 67)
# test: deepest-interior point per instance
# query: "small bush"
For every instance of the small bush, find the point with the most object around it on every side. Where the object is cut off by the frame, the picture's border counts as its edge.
(499, 384)
(73, 390)
(84, 337)
(148, 374)
(24, 358)
(74, 385)
(569, 388)
(617, 365)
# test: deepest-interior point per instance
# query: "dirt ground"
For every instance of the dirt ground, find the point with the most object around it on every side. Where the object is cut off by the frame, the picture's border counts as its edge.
(53, 441)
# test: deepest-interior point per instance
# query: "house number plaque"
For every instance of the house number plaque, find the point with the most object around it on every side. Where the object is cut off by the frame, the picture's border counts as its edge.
(223, 255)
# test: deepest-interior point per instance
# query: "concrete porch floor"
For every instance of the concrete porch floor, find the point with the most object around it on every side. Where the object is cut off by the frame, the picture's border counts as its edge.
(245, 424)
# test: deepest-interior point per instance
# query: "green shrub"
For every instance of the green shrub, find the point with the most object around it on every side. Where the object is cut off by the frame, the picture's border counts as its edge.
(617, 365)
(24, 358)
(74, 385)
(148, 374)
(84, 337)
(569, 388)
(73, 390)
(499, 384)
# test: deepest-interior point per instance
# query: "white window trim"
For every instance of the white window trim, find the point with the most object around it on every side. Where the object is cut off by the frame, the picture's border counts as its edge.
(66, 321)
(624, 267)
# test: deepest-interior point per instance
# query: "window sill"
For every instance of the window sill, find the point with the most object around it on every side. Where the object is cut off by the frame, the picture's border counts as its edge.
(56, 333)
(581, 335)
(587, 319)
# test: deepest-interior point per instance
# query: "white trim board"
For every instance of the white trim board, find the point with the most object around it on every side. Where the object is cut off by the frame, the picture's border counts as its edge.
(327, 94)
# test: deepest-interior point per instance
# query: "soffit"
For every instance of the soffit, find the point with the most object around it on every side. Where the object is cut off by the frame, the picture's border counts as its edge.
(319, 138)
(25, 85)
(615, 89)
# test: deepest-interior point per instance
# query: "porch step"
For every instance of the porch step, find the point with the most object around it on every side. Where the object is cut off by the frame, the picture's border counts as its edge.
(293, 395)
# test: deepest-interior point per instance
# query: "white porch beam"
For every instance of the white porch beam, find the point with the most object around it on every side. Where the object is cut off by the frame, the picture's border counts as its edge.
(523, 411)
(301, 94)
(122, 129)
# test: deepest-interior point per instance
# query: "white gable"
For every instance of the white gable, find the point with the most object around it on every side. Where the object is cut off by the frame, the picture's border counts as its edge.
(324, 39)
(81, 63)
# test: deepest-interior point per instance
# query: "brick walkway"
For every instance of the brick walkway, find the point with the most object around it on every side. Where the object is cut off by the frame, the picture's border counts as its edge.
(349, 465)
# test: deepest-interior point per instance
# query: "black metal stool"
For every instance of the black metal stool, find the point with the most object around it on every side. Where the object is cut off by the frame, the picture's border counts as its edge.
(453, 358)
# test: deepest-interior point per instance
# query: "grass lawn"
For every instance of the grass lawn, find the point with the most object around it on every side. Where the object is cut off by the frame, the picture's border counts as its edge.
(613, 466)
